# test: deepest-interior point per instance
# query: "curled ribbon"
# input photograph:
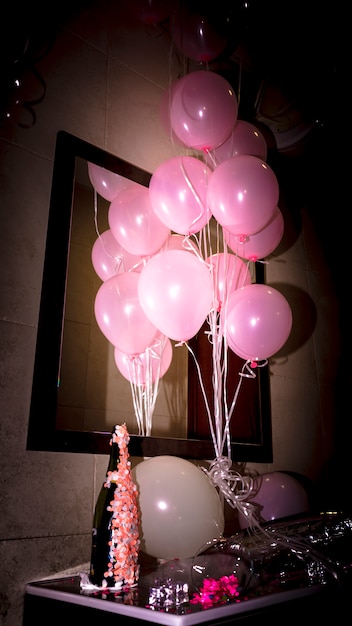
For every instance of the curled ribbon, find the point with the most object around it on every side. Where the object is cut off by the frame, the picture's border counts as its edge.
(235, 487)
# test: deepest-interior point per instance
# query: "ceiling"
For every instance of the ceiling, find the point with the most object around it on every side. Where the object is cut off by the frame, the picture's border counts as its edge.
(284, 58)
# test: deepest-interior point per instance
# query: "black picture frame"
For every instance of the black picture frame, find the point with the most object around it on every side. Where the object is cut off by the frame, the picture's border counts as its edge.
(43, 433)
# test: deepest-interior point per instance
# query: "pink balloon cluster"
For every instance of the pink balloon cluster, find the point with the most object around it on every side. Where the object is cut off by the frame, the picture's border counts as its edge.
(155, 283)
(240, 190)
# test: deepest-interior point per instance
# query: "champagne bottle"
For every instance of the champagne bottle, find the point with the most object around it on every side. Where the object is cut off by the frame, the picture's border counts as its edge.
(115, 534)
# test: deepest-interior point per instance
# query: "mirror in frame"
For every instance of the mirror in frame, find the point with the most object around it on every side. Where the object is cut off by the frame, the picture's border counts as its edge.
(251, 437)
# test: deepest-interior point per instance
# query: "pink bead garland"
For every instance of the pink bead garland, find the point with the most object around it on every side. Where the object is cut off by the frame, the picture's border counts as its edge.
(124, 547)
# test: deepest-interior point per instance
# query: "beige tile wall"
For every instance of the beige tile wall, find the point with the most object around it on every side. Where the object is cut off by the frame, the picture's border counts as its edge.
(104, 82)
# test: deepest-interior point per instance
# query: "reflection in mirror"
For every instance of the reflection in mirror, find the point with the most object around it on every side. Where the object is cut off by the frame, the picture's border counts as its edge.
(78, 391)
(93, 394)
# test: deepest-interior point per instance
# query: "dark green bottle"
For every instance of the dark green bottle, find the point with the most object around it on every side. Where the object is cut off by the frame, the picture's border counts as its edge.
(101, 532)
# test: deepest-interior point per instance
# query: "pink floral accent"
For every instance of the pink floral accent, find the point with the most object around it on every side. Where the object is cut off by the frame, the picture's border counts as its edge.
(217, 591)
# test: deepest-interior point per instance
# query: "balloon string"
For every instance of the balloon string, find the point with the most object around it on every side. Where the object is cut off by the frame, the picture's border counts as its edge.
(144, 392)
(219, 438)
(96, 211)
(235, 488)
(194, 193)
(239, 84)
(220, 472)
(227, 433)
(136, 405)
(205, 398)
(214, 161)
(215, 336)
(217, 386)
(144, 401)
(188, 244)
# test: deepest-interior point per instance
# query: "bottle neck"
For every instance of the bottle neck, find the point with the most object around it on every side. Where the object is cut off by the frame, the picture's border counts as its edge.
(114, 457)
(112, 471)
(118, 453)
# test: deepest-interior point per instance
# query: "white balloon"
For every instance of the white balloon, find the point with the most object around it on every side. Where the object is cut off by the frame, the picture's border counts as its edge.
(179, 507)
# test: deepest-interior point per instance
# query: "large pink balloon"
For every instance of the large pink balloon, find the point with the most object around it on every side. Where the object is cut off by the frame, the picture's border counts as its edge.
(277, 495)
(262, 243)
(203, 110)
(109, 257)
(175, 291)
(149, 366)
(196, 35)
(244, 139)
(178, 194)
(243, 193)
(135, 224)
(107, 184)
(258, 321)
(120, 316)
(229, 273)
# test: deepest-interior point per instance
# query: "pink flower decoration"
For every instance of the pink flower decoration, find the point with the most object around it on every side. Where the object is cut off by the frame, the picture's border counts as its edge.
(216, 591)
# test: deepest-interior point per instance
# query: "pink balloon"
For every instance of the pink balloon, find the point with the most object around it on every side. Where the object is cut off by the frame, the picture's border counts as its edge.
(229, 273)
(109, 257)
(244, 139)
(203, 110)
(258, 321)
(195, 35)
(149, 366)
(107, 184)
(152, 11)
(134, 223)
(175, 291)
(277, 495)
(243, 193)
(262, 243)
(120, 316)
(178, 194)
